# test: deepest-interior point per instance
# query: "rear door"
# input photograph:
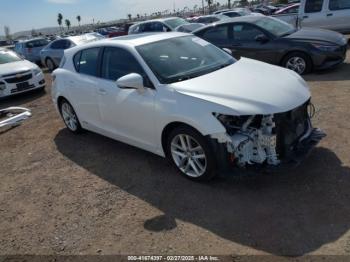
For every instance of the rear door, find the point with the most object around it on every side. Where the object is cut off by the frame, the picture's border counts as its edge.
(217, 35)
(83, 86)
(338, 15)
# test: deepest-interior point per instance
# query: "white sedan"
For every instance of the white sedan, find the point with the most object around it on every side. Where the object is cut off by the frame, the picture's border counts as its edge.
(18, 75)
(180, 97)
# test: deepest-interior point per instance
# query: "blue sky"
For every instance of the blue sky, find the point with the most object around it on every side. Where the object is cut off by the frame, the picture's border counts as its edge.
(28, 14)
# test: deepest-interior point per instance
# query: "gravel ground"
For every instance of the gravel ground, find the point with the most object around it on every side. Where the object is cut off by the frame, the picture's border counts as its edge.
(66, 194)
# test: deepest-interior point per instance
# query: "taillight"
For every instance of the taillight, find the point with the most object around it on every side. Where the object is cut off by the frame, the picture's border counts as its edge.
(29, 50)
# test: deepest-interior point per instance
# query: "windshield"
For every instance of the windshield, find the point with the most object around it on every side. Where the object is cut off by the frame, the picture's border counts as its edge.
(7, 56)
(182, 58)
(275, 26)
(175, 22)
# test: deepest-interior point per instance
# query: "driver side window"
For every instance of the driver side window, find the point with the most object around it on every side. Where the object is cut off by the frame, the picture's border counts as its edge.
(117, 62)
(245, 32)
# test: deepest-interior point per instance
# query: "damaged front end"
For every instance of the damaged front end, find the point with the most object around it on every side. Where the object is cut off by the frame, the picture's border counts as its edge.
(269, 141)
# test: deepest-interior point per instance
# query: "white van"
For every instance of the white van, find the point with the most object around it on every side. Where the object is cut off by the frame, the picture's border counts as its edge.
(326, 14)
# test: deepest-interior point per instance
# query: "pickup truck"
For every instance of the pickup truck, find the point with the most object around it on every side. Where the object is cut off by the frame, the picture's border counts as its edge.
(325, 14)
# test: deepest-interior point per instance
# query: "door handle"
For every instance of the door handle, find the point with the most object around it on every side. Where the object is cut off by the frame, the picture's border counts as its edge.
(305, 16)
(330, 14)
(236, 44)
(102, 91)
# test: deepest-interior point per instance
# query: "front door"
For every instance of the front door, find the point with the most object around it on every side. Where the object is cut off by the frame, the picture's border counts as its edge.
(246, 44)
(126, 114)
(313, 15)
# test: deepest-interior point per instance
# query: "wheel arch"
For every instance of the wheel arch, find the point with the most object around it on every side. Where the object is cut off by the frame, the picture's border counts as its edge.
(304, 52)
(169, 128)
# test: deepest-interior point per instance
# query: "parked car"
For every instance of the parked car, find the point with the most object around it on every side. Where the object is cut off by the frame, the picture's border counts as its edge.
(239, 12)
(163, 25)
(52, 54)
(30, 49)
(221, 11)
(325, 14)
(273, 41)
(18, 75)
(208, 19)
(288, 14)
(177, 95)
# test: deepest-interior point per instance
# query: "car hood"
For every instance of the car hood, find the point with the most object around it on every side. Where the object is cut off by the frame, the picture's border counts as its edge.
(249, 87)
(319, 35)
(16, 67)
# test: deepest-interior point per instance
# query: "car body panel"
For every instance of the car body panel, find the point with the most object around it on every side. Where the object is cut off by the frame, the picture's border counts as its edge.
(236, 88)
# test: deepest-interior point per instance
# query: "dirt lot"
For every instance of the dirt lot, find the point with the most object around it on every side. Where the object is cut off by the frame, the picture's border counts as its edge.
(66, 194)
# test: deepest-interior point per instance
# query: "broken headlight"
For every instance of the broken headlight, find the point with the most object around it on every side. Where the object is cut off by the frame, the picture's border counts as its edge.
(235, 123)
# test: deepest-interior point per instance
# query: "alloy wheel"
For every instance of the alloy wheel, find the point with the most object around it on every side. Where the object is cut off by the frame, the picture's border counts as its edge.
(69, 116)
(188, 155)
(297, 64)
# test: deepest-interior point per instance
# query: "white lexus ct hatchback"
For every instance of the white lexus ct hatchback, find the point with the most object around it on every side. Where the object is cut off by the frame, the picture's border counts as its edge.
(179, 96)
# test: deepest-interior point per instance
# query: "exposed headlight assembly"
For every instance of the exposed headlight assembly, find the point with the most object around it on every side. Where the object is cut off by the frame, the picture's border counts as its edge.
(326, 48)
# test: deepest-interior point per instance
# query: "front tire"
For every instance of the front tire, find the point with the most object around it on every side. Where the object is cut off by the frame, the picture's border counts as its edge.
(69, 117)
(191, 153)
(298, 62)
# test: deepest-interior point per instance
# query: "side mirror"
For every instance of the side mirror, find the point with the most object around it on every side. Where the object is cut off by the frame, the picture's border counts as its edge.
(261, 38)
(227, 51)
(131, 81)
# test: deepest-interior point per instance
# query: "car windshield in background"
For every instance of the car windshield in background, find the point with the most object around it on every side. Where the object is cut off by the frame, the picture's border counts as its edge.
(175, 22)
(8, 57)
(275, 26)
(182, 58)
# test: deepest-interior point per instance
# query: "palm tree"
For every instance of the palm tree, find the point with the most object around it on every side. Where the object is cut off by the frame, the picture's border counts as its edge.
(228, 4)
(79, 19)
(138, 16)
(209, 4)
(59, 20)
(67, 23)
(129, 16)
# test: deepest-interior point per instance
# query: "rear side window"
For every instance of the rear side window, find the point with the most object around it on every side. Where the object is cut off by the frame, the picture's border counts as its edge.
(313, 6)
(216, 34)
(339, 4)
(85, 62)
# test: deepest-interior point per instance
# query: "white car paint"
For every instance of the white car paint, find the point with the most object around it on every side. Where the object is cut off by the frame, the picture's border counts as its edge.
(17, 70)
(138, 117)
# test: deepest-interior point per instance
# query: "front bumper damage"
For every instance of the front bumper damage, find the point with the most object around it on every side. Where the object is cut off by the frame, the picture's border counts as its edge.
(13, 116)
(282, 141)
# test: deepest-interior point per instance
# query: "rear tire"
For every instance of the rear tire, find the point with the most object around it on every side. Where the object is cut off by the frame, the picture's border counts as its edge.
(298, 62)
(69, 117)
(191, 153)
(50, 64)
